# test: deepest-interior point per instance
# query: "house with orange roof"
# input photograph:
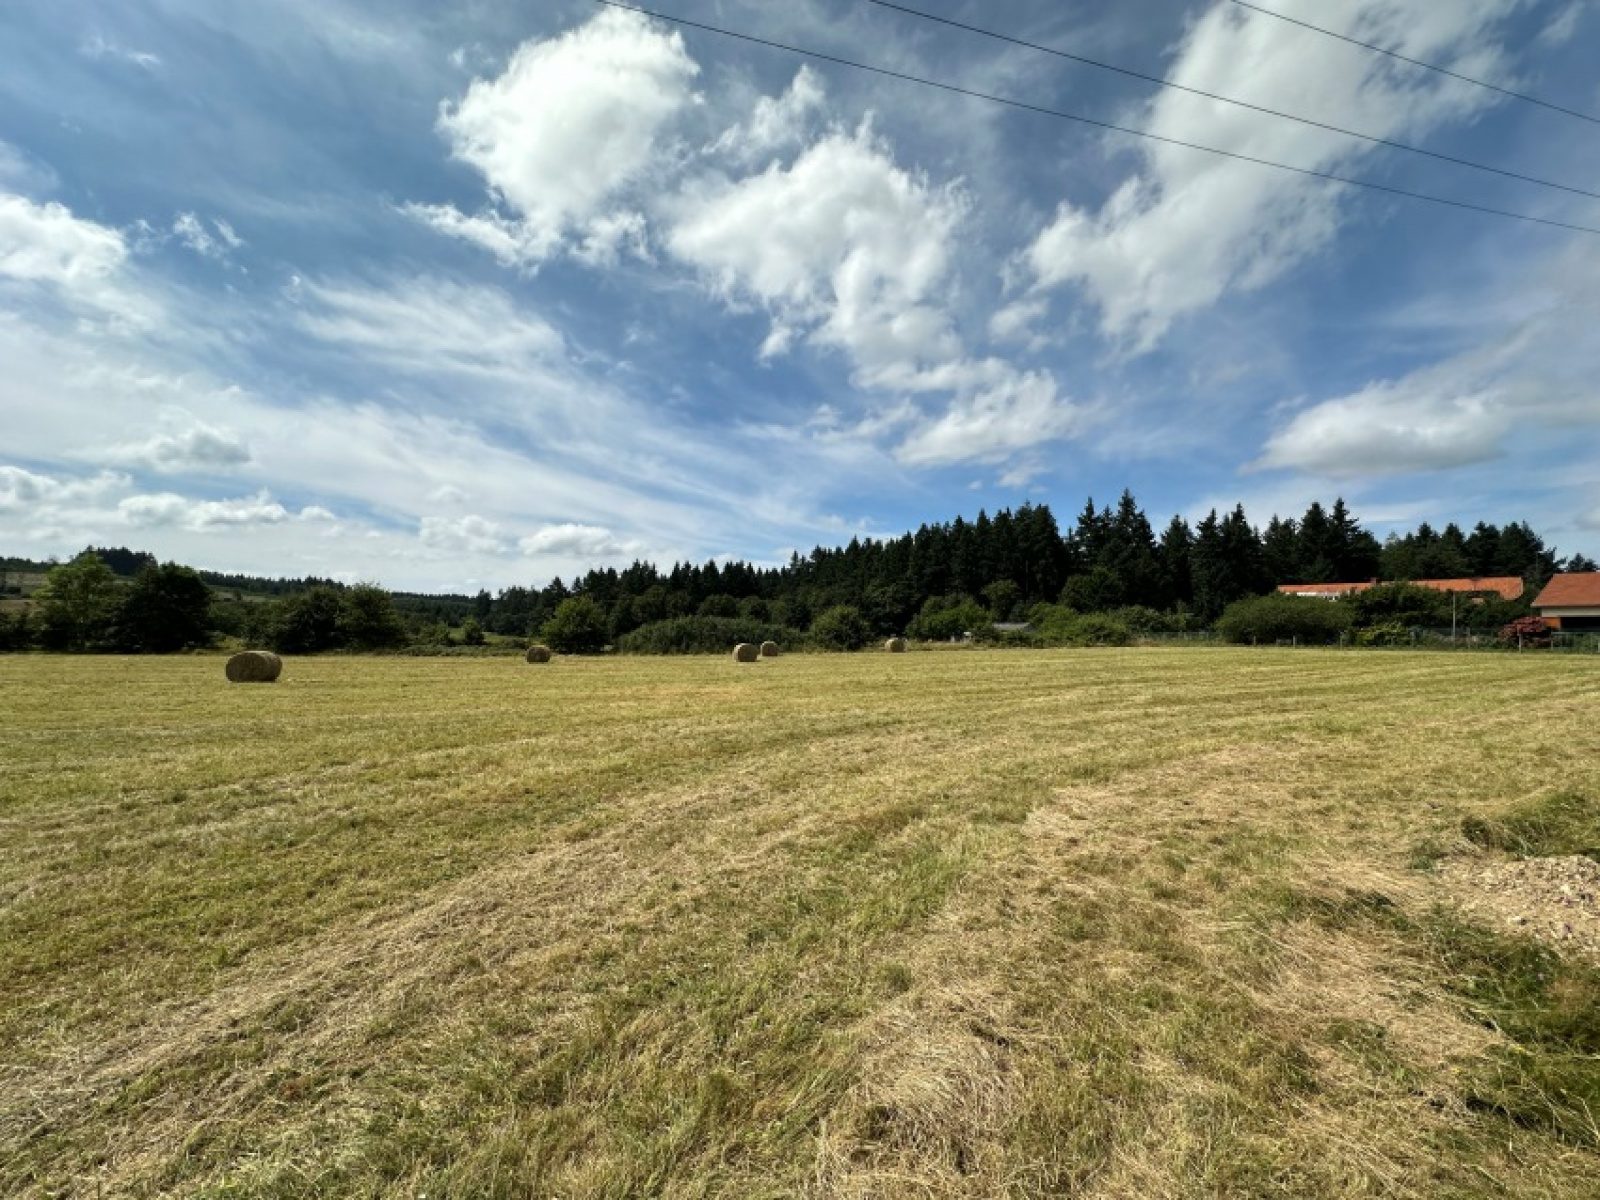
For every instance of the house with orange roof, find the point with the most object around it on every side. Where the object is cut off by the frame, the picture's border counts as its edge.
(1571, 602)
(1507, 587)
(1325, 591)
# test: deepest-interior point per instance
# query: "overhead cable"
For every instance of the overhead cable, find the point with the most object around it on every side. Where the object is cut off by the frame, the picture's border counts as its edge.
(1066, 116)
(1417, 62)
(1271, 112)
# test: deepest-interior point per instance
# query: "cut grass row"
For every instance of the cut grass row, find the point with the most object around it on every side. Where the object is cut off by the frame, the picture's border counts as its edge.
(1120, 923)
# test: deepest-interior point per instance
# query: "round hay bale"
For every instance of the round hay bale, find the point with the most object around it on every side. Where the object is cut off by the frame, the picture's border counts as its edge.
(895, 645)
(538, 654)
(745, 652)
(769, 649)
(254, 666)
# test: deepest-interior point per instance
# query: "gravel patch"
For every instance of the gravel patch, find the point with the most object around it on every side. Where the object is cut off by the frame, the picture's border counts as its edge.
(1556, 900)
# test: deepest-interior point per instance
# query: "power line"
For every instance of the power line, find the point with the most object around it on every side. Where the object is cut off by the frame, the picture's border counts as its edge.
(1273, 112)
(1417, 62)
(1066, 116)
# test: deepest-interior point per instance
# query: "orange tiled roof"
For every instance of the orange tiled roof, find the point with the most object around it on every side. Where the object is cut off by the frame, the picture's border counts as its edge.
(1571, 591)
(1323, 589)
(1508, 587)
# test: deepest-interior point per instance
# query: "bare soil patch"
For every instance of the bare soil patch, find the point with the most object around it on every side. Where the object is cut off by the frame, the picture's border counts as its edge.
(1555, 900)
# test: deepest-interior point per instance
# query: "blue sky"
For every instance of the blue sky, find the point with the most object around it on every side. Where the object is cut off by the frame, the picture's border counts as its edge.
(450, 296)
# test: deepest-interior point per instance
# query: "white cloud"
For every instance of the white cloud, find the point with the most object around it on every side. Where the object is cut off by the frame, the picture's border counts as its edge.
(843, 246)
(431, 325)
(46, 243)
(1017, 412)
(448, 494)
(28, 491)
(97, 46)
(1537, 371)
(775, 123)
(198, 447)
(20, 173)
(576, 541)
(202, 516)
(217, 242)
(1194, 227)
(606, 237)
(569, 125)
(1389, 428)
(1590, 519)
(472, 534)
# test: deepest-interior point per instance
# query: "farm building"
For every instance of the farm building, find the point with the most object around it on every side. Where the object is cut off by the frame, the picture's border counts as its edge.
(1325, 591)
(1571, 602)
(1507, 587)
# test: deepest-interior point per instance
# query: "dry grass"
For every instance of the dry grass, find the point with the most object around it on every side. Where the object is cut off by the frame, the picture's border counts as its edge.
(1108, 923)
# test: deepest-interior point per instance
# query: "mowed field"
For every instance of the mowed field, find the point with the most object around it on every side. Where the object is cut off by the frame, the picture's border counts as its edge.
(1150, 922)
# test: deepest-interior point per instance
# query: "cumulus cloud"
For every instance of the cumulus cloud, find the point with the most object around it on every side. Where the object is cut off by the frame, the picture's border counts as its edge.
(776, 123)
(470, 533)
(570, 124)
(24, 491)
(46, 243)
(1192, 227)
(1016, 412)
(1536, 372)
(576, 541)
(1389, 428)
(199, 447)
(202, 516)
(843, 247)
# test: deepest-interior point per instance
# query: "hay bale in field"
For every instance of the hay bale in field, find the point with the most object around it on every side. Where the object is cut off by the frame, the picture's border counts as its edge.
(745, 652)
(254, 666)
(895, 645)
(769, 649)
(538, 654)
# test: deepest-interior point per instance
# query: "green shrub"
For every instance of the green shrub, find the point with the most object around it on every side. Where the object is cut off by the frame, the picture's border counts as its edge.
(945, 617)
(1058, 625)
(841, 627)
(1402, 604)
(1279, 618)
(578, 627)
(1391, 634)
(703, 635)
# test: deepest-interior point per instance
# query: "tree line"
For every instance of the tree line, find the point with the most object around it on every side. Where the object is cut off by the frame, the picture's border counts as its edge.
(942, 580)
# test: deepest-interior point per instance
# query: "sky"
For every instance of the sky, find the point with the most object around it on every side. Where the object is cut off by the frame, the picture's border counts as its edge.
(450, 297)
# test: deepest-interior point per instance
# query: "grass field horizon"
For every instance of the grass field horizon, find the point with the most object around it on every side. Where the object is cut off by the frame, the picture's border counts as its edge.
(1133, 922)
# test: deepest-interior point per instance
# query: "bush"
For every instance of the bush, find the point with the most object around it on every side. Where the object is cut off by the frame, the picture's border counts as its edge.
(166, 609)
(842, 627)
(1528, 631)
(303, 623)
(1277, 618)
(578, 627)
(1391, 634)
(368, 620)
(15, 631)
(945, 617)
(1058, 625)
(1140, 619)
(703, 635)
(1402, 604)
